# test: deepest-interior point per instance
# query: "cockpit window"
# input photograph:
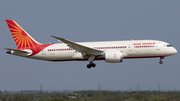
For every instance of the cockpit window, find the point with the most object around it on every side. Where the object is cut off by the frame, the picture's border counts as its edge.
(169, 45)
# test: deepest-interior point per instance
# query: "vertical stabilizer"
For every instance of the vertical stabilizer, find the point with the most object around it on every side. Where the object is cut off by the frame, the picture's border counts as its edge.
(22, 39)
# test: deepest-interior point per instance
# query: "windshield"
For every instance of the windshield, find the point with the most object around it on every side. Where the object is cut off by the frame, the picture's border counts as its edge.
(169, 45)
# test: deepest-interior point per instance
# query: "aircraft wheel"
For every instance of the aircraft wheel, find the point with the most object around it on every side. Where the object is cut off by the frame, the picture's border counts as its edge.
(89, 66)
(160, 62)
(93, 65)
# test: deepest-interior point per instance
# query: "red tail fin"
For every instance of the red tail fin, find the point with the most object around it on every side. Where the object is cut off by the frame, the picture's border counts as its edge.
(22, 39)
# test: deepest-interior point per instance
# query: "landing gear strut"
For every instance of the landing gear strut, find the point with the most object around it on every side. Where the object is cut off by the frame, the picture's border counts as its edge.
(161, 62)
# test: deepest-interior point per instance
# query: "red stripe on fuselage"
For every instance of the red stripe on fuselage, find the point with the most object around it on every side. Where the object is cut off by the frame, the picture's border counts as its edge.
(38, 48)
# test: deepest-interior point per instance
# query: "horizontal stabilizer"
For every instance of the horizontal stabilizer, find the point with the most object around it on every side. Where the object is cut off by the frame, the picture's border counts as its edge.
(15, 50)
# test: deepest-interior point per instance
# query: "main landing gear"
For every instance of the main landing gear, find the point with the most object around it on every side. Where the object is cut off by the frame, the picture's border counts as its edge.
(91, 64)
(161, 62)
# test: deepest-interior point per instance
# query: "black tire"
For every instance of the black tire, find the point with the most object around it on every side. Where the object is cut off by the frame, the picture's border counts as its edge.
(160, 62)
(89, 66)
(93, 65)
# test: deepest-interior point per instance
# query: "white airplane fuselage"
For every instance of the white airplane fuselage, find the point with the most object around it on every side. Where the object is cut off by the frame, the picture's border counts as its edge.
(110, 51)
(130, 49)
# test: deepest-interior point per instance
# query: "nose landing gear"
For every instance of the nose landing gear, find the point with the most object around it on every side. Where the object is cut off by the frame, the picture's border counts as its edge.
(161, 62)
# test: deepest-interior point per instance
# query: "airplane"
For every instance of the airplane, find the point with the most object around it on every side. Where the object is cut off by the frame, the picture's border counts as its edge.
(110, 51)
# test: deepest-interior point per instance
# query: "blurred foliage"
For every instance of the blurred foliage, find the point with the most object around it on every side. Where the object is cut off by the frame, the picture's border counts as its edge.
(93, 96)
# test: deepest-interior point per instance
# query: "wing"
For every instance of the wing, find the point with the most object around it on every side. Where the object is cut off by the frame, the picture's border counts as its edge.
(80, 48)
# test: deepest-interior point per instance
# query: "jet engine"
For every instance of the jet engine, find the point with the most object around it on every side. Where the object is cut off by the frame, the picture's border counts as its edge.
(113, 56)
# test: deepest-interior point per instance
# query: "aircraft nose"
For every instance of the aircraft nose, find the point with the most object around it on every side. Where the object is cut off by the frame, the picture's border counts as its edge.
(171, 51)
(174, 51)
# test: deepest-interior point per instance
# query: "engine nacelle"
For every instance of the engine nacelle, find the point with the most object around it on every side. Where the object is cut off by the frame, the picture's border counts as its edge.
(113, 56)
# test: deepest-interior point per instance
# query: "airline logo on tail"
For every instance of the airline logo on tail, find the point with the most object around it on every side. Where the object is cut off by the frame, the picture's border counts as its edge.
(22, 39)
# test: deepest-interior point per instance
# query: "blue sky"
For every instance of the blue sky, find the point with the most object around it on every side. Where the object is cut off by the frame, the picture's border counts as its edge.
(95, 20)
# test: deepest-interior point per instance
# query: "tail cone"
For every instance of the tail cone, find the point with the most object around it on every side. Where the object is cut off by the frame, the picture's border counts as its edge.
(8, 52)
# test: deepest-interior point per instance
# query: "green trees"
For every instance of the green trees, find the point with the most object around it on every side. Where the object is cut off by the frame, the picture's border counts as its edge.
(56, 99)
(93, 96)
